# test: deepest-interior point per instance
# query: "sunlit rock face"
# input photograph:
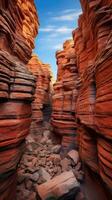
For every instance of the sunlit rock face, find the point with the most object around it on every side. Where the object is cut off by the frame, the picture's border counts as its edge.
(42, 73)
(93, 47)
(18, 28)
(91, 106)
(65, 93)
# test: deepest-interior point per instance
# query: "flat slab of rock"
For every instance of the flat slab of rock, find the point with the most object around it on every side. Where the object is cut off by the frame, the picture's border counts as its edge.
(58, 186)
(74, 155)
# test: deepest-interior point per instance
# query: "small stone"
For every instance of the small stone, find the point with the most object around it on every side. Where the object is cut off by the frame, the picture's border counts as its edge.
(42, 161)
(44, 140)
(28, 158)
(47, 133)
(20, 187)
(55, 158)
(65, 164)
(30, 139)
(58, 186)
(51, 170)
(56, 149)
(31, 169)
(49, 142)
(55, 170)
(59, 171)
(74, 155)
(35, 177)
(28, 184)
(42, 154)
(25, 193)
(44, 174)
(29, 148)
(21, 176)
(50, 163)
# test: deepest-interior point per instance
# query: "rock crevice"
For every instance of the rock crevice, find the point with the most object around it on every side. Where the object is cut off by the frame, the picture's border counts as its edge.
(91, 114)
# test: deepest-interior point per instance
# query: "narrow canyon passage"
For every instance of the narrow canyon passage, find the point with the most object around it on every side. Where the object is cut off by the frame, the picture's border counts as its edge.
(56, 136)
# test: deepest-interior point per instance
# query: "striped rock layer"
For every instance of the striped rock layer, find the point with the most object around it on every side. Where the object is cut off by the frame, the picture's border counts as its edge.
(18, 28)
(93, 103)
(42, 73)
(65, 94)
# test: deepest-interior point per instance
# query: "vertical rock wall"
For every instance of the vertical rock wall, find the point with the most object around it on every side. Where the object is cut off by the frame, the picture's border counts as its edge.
(18, 28)
(65, 93)
(93, 46)
(93, 107)
(42, 73)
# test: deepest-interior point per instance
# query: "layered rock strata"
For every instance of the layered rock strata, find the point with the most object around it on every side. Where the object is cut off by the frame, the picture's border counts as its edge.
(64, 98)
(42, 73)
(93, 46)
(18, 28)
(93, 51)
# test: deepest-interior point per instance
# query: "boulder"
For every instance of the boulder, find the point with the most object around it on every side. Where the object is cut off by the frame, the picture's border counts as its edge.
(58, 186)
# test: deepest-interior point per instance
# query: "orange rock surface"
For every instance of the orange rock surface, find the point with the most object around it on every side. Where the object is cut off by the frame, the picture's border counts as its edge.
(93, 46)
(42, 73)
(18, 28)
(65, 94)
(92, 107)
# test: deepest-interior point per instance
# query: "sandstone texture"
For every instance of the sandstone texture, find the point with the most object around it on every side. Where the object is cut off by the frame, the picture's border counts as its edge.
(65, 95)
(43, 91)
(93, 45)
(80, 133)
(88, 98)
(18, 28)
(58, 186)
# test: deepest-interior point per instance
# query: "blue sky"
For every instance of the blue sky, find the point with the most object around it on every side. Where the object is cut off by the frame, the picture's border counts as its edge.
(57, 20)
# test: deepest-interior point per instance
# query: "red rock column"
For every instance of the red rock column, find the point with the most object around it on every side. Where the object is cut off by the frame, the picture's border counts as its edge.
(93, 46)
(65, 93)
(42, 73)
(18, 27)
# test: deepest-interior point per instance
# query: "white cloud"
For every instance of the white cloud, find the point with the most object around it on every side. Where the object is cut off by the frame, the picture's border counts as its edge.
(48, 29)
(64, 29)
(68, 15)
(57, 46)
(55, 30)
(69, 11)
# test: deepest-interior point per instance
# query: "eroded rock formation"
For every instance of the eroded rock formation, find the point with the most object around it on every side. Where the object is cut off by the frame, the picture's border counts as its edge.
(42, 73)
(93, 51)
(93, 45)
(82, 111)
(64, 98)
(18, 28)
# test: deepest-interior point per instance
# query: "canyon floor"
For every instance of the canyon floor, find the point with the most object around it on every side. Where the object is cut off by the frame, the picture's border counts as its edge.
(42, 161)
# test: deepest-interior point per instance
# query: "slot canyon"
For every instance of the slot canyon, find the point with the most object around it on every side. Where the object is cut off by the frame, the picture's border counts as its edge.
(56, 135)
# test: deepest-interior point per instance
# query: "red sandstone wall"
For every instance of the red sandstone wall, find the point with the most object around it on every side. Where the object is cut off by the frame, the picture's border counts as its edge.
(65, 93)
(18, 28)
(93, 51)
(42, 73)
(93, 46)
